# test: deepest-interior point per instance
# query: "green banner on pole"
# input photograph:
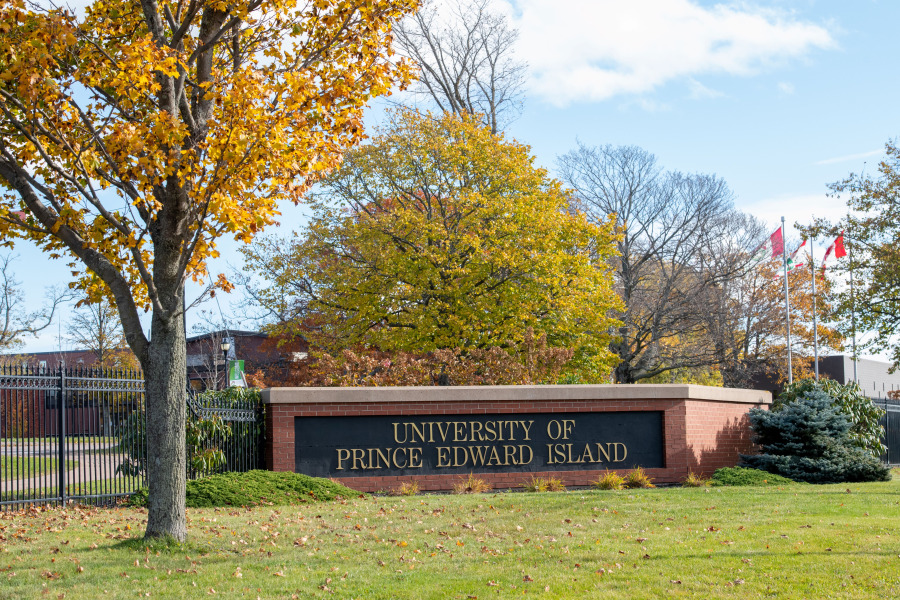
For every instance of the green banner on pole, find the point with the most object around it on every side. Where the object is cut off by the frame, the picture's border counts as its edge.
(236, 374)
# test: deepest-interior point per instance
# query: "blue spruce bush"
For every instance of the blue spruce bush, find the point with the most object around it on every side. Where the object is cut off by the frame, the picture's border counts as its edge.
(808, 439)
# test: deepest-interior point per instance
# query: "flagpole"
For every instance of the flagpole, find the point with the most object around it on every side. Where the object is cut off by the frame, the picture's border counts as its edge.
(853, 312)
(812, 270)
(787, 304)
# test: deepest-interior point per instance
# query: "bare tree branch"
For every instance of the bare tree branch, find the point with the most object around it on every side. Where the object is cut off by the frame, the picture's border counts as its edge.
(465, 62)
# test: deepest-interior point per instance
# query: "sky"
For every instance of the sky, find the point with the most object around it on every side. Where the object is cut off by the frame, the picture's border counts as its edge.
(777, 97)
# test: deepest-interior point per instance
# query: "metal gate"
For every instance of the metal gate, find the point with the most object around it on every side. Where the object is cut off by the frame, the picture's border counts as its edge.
(78, 434)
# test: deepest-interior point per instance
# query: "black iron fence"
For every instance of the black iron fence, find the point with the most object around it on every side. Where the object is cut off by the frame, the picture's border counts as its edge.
(78, 434)
(891, 423)
(241, 410)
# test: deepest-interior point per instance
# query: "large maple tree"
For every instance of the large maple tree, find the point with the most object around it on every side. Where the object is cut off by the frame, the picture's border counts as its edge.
(135, 135)
(439, 234)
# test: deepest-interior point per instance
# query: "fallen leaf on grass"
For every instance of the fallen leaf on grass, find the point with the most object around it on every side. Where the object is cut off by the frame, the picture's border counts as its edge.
(675, 581)
(528, 578)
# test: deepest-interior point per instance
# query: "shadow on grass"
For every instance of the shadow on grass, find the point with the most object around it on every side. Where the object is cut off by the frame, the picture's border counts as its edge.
(165, 544)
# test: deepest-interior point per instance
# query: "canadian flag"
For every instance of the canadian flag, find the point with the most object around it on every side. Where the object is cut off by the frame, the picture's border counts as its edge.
(770, 248)
(837, 246)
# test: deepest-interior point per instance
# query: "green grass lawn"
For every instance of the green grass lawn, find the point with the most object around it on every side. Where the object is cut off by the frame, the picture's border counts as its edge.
(33, 466)
(793, 541)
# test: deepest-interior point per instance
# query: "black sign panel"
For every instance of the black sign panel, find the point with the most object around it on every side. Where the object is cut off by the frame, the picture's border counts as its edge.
(374, 446)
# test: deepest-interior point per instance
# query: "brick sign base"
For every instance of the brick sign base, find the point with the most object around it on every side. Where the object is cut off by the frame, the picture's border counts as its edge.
(375, 439)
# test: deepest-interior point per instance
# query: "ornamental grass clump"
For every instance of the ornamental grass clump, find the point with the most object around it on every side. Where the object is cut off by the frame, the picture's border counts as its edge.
(555, 484)
(535, 484)
(407, 488)
(809, 439)
(541, 484)
(610, 480)
(694, 480)
(471, 485)
(636, 478)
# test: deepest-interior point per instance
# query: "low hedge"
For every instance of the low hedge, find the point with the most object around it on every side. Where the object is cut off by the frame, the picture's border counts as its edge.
(255, 488)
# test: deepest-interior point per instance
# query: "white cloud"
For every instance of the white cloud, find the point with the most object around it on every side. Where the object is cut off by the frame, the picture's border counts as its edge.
(795, 209)
(592, 50)
(700, 91)
(786, 88)
(849, 157)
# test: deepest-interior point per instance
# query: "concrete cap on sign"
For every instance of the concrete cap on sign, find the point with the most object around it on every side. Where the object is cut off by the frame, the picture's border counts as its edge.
(513, 393)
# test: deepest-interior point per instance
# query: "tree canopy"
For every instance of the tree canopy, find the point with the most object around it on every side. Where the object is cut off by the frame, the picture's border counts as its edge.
(872, 239)
(133, 137)
(439, 234)
(681, 241)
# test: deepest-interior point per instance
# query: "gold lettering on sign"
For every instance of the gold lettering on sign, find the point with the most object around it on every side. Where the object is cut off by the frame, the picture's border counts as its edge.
(443, 431)
(479, 454)
(396, 437)
(443, 456)
(554, 429)
(343, 455)
(462, 447)
(416, 429)
(604, 452)
(397, 462)
(522, 449)
(586, 456)
(359, 456)
(379, 457)
(526, 425)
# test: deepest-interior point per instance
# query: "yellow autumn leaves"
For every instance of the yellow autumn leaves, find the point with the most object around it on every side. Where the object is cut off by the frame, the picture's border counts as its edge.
(438, 234)
(180, 126)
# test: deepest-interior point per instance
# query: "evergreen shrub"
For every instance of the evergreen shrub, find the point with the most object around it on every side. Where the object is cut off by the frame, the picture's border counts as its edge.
(866, 431)
(808, 439)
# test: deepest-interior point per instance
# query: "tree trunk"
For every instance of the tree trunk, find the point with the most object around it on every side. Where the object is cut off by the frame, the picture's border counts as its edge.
(164, 376)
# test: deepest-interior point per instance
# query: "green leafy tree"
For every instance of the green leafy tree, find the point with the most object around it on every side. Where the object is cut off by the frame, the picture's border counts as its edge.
(872, 233)
(438, 235)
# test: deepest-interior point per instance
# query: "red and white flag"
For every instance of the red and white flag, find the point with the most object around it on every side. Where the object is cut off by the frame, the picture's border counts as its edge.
(792, 263)
(837, 247)
(770, 248)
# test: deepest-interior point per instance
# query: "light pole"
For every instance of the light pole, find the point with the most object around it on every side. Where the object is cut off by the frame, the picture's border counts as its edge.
(226, 346)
